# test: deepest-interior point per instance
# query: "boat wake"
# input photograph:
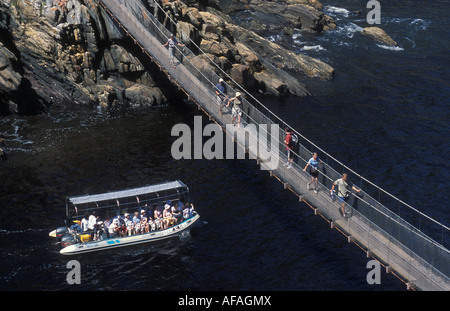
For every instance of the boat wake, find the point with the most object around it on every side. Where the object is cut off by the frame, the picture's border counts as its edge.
(8, 232)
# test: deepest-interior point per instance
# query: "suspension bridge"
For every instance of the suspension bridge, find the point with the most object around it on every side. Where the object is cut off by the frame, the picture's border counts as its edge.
(417, 255)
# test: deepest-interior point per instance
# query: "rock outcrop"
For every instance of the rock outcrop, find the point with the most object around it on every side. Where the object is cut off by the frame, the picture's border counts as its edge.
(379, 35)
(58, 51)
(68, 51)
(248, 58)
(261, 15)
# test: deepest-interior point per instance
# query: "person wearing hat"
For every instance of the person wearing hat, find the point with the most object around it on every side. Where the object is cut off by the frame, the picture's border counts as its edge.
(144, 222)
(171, 43)
(221, 93)
(236, 111)
(129, 224)
(167, 216)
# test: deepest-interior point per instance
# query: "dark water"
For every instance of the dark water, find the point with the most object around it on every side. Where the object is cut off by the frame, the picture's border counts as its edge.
(386, 115)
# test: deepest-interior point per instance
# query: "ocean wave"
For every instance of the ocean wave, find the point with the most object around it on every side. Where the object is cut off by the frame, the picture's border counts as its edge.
(391, 48)
(313, 47)
(349, 30)
(417, 23)
(332, 10)
(420, 23)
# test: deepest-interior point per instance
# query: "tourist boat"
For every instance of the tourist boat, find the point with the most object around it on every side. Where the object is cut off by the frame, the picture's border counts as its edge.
(108, 206)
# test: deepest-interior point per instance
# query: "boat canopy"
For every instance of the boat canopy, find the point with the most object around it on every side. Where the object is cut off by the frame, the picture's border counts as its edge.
(128, 193)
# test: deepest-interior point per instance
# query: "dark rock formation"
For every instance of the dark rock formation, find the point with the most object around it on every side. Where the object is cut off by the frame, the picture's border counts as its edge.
(260, 15)
(60, 51)
(248, 58)
(57, 51)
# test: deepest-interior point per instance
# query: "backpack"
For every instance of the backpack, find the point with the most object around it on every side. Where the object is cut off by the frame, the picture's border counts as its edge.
(294, 139)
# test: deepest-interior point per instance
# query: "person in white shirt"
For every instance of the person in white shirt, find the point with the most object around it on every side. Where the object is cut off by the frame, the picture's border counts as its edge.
(129, 224)
(113, 228)
(92, 221)
(84, 224)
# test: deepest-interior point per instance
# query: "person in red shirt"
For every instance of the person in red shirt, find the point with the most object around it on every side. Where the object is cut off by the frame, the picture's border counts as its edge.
(289, 148)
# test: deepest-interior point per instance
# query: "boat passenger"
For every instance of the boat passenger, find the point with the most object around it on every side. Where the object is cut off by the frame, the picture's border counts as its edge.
(121, 226)
(136, 217)
(138, 227)
(167, 216)
(105, 226)
(137, 223)
(180, 206)
(113, 228)
(186, 211)
(129, 224)
(151, 224)
(144, 222)
(191, 210)
(176, 214)
(92, 222)
(148, 210)
(158, 219)
(102, 232)
(84, 223)
(75, 227)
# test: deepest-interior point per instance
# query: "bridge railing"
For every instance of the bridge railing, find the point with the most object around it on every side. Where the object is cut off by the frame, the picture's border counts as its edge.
(419, 240)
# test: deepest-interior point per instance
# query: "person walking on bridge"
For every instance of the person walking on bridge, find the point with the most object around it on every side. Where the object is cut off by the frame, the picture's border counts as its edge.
(314, 170)
(343, 190)
(172, 42)
(236, 111)
(289, 148)
(221, 93)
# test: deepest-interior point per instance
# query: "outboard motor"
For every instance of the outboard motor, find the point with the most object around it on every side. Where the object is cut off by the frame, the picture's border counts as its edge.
(67, 240)
(59, 232)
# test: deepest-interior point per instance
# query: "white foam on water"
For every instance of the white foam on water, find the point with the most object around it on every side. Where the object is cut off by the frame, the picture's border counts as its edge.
(6, 232)
(348, 30)
(274, 38)
(420, 23)
(313, 47)
(332, 10)
(391, 48)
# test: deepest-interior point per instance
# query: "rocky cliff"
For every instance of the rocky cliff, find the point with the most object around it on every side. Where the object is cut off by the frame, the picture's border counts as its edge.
(58, 51)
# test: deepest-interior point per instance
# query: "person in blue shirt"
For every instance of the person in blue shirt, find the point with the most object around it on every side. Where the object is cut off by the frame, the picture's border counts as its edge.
(314, 170)
(221, 92)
